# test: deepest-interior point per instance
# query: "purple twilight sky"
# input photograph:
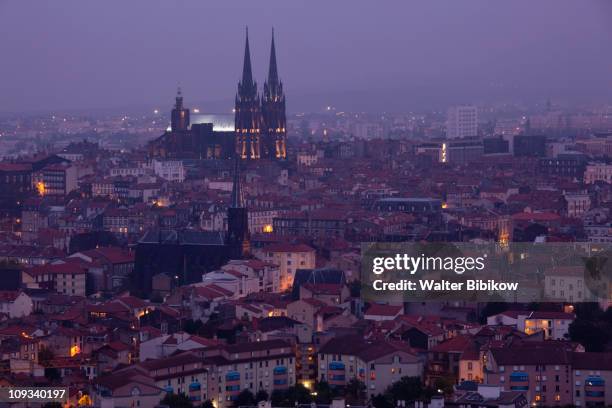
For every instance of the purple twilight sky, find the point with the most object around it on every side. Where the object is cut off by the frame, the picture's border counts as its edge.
(354, 54)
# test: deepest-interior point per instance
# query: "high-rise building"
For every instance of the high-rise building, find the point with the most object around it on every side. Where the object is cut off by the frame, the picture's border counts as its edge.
(462, 121)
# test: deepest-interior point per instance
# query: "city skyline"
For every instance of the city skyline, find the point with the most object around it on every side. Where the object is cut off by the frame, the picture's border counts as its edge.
(342, 204)
(421, 55)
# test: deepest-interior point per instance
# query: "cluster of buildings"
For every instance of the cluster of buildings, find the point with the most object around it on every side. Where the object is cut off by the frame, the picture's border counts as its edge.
(223, 257)
(259, 128)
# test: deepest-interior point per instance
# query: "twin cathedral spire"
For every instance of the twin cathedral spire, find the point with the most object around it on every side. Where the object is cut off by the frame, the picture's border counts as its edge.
(260, 121)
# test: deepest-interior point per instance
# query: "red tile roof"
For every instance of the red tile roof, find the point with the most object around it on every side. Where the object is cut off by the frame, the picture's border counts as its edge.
(113, 255)
(57, 269)
(9, 295)
(324, 288)
(365, 350)
(456, 344)
(376, 309)
(288, 247)
(536, 216)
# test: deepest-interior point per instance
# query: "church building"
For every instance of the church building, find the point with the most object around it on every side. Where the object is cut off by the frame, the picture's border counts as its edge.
(258, 129)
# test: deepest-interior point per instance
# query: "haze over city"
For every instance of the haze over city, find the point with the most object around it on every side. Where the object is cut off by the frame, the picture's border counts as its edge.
(371, 56)
(309, 204)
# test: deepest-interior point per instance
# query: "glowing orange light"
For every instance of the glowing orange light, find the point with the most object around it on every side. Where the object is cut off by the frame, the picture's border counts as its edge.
(74, 350)
(40, 187)
(268, 228)
(84, 401)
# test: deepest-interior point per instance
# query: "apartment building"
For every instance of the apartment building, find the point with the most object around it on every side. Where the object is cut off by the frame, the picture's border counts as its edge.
(243, 277)
(544, 375)
(264, 365)
(595, 172)
(377, 364)
(289, 257)
(552, 375)
(15, 304)
(554, 325)
(55, 179)
(169, 170)
(592, 379)
(216, 372)
(461, 121)
(566, 283)
(65, 278)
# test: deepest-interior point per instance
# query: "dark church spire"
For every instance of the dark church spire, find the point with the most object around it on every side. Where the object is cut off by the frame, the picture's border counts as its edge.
(247, 119)
(273, 72)
(273, 112)
(247, 72)
(238, 237)
(179, 99)
(237, 197)
(179, 120)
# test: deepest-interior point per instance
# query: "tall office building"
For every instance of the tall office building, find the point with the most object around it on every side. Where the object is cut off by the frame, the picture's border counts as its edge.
(462, 121)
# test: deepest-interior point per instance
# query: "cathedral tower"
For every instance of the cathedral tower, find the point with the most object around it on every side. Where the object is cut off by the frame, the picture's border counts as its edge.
(180, 115)
(273, 112)
(238, 237)
(247, 112)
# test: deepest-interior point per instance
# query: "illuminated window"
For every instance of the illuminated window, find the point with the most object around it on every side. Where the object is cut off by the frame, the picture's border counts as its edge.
(74, 350)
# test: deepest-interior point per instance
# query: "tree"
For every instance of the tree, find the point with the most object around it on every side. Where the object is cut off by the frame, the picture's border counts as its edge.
(592, 327)
(245, 398)
(288, 397)
(324, 393)
(607, 317)
(355, 392)
(262, 395)
(592, 335)
(355, 288)
(530, 233)
(91, 240)
(492, 308)
(207, 404)
(193, 326)
(45, 355)
(156, 297)
(406, 389)
(381, 401)
(446, 384)
(45, 358)
(52, 404)
(279, 398)
(301, 394)
(176, 401)
(53, 374)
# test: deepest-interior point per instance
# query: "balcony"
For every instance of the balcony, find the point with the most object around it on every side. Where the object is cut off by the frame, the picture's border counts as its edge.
(519, 381)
